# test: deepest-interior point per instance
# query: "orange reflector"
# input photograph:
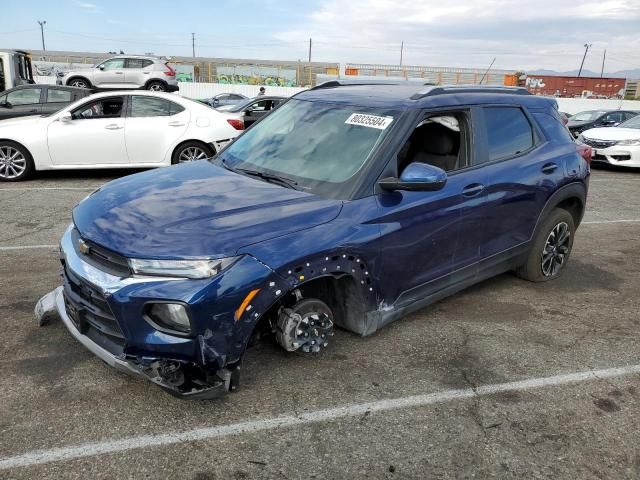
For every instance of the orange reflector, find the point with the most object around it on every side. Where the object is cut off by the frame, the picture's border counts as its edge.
(245, 303)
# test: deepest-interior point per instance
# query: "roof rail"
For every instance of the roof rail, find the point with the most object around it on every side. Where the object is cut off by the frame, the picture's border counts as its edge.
(349, 82)
(429, 92)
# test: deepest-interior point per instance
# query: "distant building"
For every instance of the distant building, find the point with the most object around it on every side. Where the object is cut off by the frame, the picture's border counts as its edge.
(633, 89)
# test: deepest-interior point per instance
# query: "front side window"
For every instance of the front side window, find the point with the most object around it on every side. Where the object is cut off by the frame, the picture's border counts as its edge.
(104, 108)
(633, 123)
(508, 132)
(55, 95)
(316, 144)
(589, 116)
(26, 96)
(153, 107)
(113, 64)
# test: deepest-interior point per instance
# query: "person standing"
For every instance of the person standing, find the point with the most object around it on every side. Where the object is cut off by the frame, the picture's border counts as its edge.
(263, 91)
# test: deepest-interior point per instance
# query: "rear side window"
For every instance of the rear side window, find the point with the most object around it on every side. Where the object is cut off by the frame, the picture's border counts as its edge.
(153, 107)
(508, 132)
(553, 128)
(138, 63)
(26, 96)
(55, 95)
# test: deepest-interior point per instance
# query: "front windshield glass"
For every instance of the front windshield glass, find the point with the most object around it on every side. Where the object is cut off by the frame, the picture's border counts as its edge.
(318, 145)
(586, 116)
(633, 123)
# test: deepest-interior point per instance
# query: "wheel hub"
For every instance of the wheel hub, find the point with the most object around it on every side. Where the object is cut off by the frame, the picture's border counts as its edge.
(12, 162)
(308, 332)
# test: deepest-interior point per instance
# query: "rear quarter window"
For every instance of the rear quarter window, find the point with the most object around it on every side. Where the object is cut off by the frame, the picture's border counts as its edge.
(553, 129)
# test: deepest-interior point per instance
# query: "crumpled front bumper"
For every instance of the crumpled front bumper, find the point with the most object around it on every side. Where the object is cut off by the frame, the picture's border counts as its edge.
(52, 304)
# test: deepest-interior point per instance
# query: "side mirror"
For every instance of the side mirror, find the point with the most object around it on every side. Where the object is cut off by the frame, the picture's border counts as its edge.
(248, 112)
(417, 177)
(101, 67)
(6, 104)
(66, 117)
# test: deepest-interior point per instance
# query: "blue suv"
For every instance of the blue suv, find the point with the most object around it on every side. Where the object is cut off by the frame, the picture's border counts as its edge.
(350, 206)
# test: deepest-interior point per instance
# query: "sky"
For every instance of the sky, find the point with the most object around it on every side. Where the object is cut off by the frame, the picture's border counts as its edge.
(523, 35)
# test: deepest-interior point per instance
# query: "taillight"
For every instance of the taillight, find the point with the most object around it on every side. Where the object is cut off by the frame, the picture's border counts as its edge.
(585, 152)
(236, 123)
(170, 72)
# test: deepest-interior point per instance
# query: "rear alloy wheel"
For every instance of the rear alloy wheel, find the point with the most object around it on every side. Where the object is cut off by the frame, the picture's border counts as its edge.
(157, 87)
(191, 152)
(79, 83)
(15, 162)
(550, 249)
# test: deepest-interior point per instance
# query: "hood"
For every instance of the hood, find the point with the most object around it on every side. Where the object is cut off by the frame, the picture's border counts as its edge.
(612, 133)
(18, 121)
(195, 210)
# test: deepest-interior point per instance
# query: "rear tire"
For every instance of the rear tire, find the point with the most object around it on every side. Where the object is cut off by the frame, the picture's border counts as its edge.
(157, 87)
(16, 163)
(190, 152)
(550, 249)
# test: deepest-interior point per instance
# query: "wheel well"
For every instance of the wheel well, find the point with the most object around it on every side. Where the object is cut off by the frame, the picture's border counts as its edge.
(574, 206)
(155, 80)
(342, 294)
(204, 144)
(17, 143)
(78, 77)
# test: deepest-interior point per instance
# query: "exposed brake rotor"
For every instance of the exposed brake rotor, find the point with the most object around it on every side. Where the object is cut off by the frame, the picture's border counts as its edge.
(306, 326)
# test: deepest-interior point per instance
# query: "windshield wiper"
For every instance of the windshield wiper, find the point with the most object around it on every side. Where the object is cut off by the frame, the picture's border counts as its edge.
(268, 177)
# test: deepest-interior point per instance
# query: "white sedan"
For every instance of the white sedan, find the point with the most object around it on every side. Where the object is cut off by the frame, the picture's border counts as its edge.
(615, 145)
(134, 129)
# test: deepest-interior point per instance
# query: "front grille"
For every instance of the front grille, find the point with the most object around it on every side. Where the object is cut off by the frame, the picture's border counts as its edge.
(101, 257)
(88, 309)
(599, 143)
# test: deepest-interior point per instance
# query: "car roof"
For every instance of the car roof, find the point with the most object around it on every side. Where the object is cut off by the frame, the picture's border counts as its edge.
(407, 95)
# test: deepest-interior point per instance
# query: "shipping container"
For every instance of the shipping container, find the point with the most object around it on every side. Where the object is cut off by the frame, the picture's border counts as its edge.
(575, 86)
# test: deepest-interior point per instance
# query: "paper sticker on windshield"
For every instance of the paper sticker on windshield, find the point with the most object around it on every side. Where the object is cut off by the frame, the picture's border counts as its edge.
(371, 121)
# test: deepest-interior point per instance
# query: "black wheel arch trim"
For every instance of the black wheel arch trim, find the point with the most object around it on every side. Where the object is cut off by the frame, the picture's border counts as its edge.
(575, 190)
(79, 77)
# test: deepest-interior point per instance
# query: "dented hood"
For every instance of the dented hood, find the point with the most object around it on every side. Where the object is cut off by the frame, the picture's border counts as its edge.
(195, 210)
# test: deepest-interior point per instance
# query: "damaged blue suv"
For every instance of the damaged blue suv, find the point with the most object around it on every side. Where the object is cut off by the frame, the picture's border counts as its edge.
(350, 206)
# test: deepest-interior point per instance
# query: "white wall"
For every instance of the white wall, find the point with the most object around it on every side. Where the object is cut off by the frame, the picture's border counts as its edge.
(45, 80)
(575, 105)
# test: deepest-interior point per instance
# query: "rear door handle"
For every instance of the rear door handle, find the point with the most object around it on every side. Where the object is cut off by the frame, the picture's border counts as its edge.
(119, 73)
(176, 124)
(472, 190)
(113, 126)
(549, 168)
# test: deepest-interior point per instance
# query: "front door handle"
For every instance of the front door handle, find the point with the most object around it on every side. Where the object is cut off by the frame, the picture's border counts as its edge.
(113, 126)
(549, 168)
(119, 73)
(472, 190)
(176, 124)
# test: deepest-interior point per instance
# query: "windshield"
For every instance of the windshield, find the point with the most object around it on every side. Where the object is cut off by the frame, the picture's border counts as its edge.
(633, 123)
(587, 116)
(319, 146)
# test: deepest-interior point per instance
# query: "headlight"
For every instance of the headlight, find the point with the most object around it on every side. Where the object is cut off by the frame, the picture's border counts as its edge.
(169, 316)
(180, 268)
(635, 141)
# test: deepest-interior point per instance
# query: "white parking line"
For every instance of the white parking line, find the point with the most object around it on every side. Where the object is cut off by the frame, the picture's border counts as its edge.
(599, 222)
(28, 247)
(40, 457)
(31, 189)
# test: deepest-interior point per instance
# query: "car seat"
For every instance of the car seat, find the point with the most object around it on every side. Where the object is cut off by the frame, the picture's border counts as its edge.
(434, 144)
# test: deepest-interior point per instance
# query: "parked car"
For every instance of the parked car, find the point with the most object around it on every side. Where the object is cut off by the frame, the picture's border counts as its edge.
(223, 99)
(28, 100)
(125, 72)
(582, 121)
(615, 146)
(250, 111)
(348, 205)
(113, 130)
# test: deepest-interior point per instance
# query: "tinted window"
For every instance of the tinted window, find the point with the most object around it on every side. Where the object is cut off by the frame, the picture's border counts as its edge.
(26, 96)
(104, 108)
(508, 132)
(138, 63)
(617, 117)
(55, 95)
(553, 128)
(153, 107)
(628, 115)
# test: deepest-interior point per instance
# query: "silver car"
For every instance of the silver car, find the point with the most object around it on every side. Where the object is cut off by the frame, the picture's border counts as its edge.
(124, 71)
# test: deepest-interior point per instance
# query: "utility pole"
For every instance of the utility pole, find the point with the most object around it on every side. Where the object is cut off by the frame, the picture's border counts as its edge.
(401, 51)
(193, 44)
(603, 59)
(310, 43)
(587, 46)
(42, 24)
(487, 71)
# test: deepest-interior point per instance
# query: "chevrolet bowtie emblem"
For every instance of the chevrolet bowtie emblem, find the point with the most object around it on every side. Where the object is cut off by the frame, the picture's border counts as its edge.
(83, 247)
